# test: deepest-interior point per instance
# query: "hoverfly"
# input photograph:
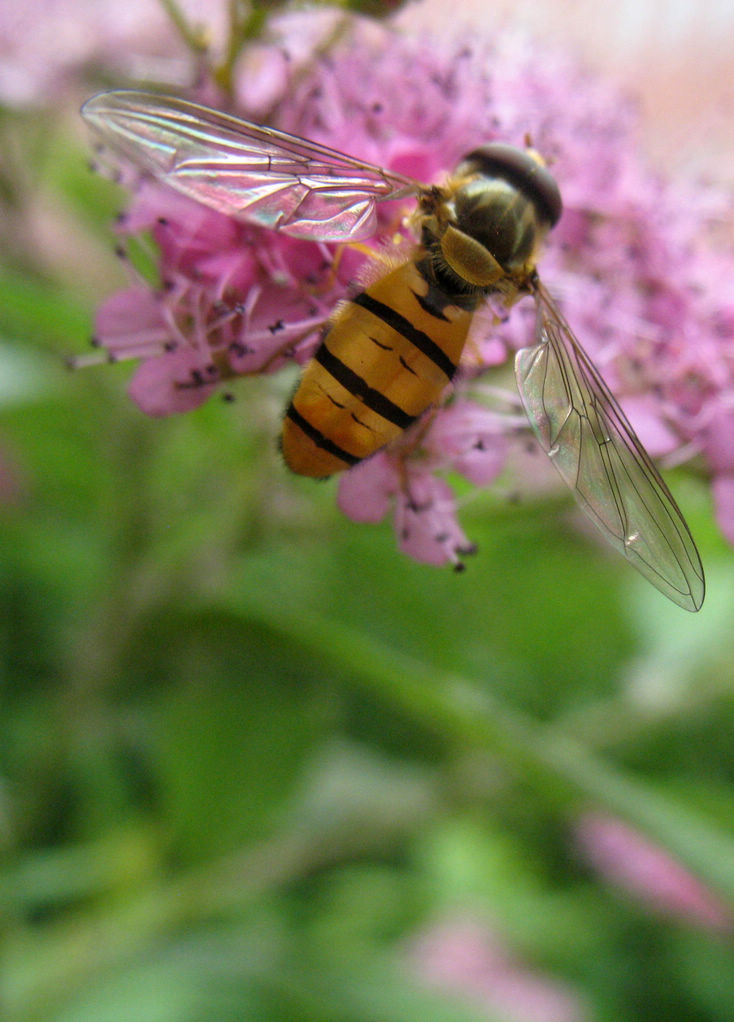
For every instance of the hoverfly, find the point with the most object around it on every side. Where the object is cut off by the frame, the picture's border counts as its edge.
(389, 352)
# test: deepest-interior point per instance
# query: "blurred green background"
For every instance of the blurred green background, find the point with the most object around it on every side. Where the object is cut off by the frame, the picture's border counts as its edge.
(250, 755)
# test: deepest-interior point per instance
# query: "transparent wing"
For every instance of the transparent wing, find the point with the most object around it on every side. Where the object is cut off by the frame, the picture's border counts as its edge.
(591, 443)
(259, 174)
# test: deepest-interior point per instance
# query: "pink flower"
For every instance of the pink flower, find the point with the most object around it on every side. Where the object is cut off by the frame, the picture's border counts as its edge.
(228, 305)
(424, 508)
(649, 873)
(464, 958)
(630, 261)
(465, 437)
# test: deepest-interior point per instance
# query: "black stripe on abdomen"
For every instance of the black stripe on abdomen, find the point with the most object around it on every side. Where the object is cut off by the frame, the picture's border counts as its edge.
(354, 383)
(406, 329)
(318, 437)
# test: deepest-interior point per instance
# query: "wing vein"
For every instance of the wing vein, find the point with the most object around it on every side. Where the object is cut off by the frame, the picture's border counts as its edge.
(599, 456)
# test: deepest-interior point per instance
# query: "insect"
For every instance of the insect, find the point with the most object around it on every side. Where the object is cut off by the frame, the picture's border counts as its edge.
(390, 352)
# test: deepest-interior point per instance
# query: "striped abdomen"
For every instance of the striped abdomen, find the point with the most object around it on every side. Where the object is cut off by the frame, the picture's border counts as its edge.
(388, 355)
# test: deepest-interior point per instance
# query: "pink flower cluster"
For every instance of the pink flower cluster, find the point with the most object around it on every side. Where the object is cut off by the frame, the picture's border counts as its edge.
(49, 47)
(631, 262)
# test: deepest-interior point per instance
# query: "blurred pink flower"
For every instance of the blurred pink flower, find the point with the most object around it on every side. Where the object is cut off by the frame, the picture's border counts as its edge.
(46, 45)
(462, 957)
(649, 873)
(631, 260)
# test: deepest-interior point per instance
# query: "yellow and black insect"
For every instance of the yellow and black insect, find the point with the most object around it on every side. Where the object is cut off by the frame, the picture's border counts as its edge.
(390, 352)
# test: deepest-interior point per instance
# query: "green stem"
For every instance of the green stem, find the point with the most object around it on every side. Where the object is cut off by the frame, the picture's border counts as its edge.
(246, 22)
(194, 38)
(569, 775)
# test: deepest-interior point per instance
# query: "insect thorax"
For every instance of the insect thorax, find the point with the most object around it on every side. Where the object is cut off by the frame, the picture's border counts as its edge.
(482, 230)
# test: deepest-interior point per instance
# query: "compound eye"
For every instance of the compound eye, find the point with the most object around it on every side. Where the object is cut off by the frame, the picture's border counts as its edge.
(521, 168)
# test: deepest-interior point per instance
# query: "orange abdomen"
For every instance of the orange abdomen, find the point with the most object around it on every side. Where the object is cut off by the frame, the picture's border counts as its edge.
(387, 357)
